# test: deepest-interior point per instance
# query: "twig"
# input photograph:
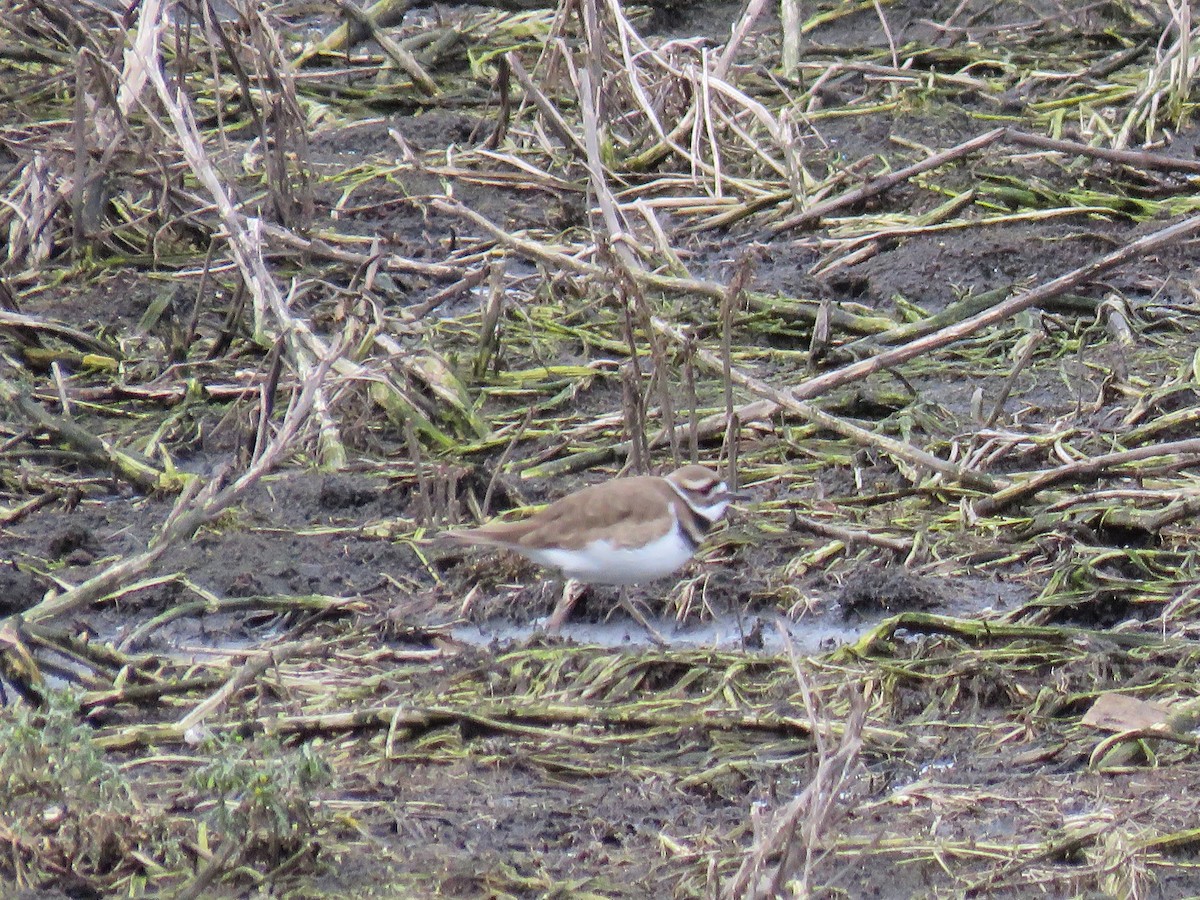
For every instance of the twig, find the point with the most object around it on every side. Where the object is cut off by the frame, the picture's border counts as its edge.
(975, 629)
(215, 865)
(792, 839)
(730, 303)
(781, 399)
(1032, 342)
(244, 674)
(956, 332)
(852, 536)
(195, 507)
(878, 185)
(1136, 159)
(749, 16)
(320, 249)
(1186, 452)
(36, 325)
(29, 507)
(548, 110)
(543, 719)
(305, 348)
(403, 58)
(139, 472)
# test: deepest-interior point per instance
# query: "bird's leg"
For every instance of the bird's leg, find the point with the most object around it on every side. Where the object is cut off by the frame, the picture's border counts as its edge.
(572, 591)
(629, 607)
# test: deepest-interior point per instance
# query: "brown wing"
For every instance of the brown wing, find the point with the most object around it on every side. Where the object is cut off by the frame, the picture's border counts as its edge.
(629, 512)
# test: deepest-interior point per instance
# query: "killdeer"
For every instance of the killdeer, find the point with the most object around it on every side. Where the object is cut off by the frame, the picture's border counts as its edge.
(620, 532)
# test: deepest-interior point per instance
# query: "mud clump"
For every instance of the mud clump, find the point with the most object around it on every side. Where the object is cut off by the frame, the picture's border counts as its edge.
(18, 590)
(73, 545)
(872, 591)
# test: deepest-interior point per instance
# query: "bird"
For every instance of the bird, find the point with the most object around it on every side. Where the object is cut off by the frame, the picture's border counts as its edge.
(619, 532)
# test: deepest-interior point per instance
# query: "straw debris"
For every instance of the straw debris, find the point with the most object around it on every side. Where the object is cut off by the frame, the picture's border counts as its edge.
(285, 292)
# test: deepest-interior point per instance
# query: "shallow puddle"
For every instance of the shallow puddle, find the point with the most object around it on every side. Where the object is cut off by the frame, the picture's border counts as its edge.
(759, 633)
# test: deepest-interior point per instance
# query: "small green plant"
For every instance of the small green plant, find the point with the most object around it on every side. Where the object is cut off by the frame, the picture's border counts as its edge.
(261, 796)
(63, 806)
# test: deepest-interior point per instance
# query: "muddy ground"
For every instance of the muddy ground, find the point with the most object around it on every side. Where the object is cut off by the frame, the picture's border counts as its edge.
(390, 720)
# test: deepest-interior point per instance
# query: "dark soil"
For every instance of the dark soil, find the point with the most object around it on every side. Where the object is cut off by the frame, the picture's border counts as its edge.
(976, 777)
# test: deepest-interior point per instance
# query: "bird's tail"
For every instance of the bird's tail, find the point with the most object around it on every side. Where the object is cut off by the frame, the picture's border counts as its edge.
(470, 537)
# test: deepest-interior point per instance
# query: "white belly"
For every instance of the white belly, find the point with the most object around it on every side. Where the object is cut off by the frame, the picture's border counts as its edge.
(602, 563)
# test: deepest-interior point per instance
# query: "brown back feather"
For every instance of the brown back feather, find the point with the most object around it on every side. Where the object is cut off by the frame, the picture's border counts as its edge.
(587, 515)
